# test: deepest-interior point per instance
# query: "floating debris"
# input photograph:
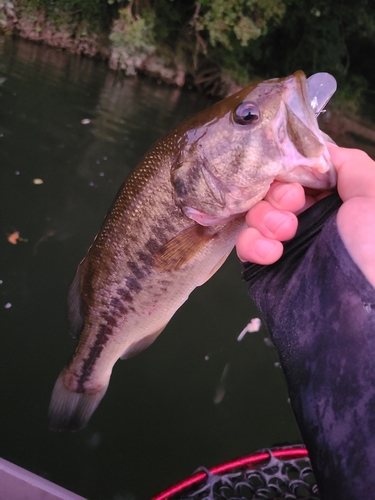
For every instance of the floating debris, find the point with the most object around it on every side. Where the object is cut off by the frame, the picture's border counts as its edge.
(206, 358)
(221, 388)
(101, 174)
(17, 172)
(37, 181)
(85, 121)
(13, 238)
(8, 305)
(251, 327)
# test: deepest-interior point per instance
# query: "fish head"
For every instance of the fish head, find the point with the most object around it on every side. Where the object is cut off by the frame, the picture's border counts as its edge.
(232, 152)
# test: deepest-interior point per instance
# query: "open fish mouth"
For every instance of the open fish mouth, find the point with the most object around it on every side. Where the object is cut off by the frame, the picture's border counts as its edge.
(301, 142)
(302, 126)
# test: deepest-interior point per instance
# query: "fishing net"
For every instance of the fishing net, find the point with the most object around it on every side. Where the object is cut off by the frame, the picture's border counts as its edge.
(283, 473)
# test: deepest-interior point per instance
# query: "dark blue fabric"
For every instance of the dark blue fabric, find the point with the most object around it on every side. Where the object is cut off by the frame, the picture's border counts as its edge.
(320, 312)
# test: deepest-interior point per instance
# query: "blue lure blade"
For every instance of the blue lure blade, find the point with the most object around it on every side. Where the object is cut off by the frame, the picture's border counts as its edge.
(320, 87)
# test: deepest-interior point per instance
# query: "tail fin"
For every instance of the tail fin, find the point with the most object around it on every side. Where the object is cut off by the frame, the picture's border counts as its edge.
(71, 410)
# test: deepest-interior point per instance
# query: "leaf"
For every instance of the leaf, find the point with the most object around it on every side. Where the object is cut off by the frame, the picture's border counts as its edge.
(13, 238)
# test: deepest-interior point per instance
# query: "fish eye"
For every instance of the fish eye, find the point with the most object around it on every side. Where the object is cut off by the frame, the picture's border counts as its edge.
(246, 113)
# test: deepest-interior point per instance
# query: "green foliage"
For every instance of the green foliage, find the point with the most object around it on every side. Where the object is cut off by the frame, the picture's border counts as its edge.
(98, 13)
(132, 37)
(244, 38)
(134, 33)
(316, 35)
(228, 21)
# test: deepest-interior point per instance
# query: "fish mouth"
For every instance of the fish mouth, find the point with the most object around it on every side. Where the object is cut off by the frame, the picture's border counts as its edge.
(305, 156)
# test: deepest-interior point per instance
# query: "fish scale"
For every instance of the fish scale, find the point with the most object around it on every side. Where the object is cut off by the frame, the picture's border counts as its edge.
(174, 222)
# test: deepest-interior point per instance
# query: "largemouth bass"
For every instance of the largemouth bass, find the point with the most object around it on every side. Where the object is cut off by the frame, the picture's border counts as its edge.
(175, 221)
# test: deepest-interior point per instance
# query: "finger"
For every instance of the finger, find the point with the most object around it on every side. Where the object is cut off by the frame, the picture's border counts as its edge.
(286, 196)
(356, 172)
(253, 247)
(274, 224)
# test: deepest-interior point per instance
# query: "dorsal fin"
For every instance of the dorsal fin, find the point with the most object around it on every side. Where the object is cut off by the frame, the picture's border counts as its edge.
(179, 250)
(75, 310)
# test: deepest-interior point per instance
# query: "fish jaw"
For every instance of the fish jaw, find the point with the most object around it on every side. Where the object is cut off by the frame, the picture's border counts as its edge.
(305, 157)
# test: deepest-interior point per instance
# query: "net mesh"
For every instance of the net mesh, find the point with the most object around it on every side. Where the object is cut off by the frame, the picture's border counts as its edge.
(275, 478)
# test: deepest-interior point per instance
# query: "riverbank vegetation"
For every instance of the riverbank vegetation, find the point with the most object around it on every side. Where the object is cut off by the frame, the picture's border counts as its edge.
(212, 45)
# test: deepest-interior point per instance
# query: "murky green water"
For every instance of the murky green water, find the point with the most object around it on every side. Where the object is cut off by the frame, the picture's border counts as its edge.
(170, 409)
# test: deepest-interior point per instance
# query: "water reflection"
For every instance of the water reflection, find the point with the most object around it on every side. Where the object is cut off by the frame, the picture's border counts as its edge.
(158, 421)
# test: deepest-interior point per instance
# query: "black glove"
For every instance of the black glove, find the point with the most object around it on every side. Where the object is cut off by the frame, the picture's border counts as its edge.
(320, 312)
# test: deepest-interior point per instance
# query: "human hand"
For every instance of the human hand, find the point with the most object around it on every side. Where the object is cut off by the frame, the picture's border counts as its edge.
(273, 219)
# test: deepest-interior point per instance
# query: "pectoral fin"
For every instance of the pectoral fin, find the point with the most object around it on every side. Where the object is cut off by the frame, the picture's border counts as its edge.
(182, 248)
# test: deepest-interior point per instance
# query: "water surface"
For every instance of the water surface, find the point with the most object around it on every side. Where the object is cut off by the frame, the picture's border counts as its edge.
(197, 396)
